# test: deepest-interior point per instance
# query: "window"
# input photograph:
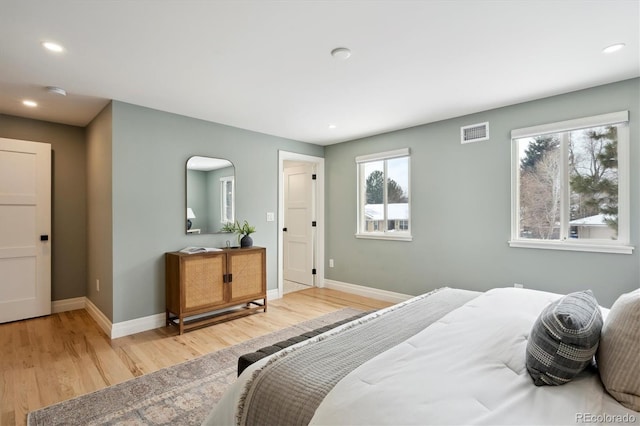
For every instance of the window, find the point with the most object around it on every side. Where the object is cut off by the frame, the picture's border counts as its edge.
(383, 195)
(227, 204)
(571, 185)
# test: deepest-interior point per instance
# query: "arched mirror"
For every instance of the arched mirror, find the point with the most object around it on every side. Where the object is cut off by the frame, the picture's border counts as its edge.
(210, 194)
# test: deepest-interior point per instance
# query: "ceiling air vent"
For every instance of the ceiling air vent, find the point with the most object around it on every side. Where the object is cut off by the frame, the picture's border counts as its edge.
(474, 133)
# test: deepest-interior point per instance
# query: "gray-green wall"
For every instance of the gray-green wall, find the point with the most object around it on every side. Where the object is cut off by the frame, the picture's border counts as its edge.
(69, 199)
(119, 190)
(461, 200)
(100, 211)
(149, 152)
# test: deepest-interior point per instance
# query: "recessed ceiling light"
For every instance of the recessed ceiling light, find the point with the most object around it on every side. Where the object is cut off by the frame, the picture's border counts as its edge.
(29, 103)
(52, 46)
(613, 48)
(341, 53)
(332, 126)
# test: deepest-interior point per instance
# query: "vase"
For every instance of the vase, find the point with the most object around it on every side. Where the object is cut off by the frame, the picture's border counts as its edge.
(246, 241)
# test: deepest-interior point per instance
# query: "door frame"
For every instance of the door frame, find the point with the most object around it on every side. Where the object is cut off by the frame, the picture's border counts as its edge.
(319, 203)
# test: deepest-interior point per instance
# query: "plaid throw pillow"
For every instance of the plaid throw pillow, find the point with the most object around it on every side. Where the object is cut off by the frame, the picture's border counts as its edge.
(564, 339)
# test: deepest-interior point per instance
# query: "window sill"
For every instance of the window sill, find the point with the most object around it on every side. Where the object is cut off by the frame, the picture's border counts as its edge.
(571, 246)
(385, 236)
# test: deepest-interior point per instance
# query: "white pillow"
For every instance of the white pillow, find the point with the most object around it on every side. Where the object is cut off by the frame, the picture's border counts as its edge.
(618, 356)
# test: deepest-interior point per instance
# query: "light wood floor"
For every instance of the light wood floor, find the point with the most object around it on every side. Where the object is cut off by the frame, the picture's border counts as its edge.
(58, 357)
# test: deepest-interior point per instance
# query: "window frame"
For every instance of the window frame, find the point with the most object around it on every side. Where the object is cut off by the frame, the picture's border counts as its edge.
(396, 235)
(622, 244)
(223, 199)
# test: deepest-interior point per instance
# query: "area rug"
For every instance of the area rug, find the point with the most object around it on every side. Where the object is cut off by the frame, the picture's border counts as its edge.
(179, 395)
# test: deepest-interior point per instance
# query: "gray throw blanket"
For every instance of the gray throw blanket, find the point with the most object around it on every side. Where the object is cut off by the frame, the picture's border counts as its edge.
(292, 384)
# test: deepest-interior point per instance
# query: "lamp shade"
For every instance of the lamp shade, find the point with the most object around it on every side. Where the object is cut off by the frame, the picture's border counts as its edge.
(190, 213)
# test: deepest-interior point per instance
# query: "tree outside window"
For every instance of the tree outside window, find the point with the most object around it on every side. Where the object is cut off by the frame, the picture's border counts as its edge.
(384, 200)
(591, 164)
(571, 187)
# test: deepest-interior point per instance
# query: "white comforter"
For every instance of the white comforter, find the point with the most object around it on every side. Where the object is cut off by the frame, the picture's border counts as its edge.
(467, 368)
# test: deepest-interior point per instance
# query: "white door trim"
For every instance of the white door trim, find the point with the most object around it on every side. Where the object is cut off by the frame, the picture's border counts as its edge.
(319, 162)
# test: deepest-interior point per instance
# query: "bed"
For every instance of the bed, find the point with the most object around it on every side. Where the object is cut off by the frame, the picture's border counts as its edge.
(447, 357)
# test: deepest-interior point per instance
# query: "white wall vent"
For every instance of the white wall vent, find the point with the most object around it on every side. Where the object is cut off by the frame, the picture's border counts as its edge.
(474, 133)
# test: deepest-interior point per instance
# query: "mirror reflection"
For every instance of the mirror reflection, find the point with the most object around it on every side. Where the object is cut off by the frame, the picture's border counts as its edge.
(210, 194)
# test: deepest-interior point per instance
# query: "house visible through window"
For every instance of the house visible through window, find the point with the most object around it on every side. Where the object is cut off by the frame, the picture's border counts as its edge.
(383, 195)
(571, 185)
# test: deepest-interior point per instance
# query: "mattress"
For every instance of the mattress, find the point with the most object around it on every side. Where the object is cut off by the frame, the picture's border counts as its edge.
(468, 367)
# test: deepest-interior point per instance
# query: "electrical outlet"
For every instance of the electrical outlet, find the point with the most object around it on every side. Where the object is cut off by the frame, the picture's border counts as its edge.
(97, 285)
(331, 264)
(516, 285)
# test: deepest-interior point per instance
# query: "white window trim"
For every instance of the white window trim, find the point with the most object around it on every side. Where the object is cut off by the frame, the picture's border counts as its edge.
(599, 247)
(575, 124)
(387, 155)
(223, 180)
(395, 235)
(384, 236)
(620, 246)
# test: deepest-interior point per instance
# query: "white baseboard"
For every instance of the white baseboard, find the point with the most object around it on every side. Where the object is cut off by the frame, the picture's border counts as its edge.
(273, 294)
(137, 325)
(124, 328)
(103, 322)
(360, 290)
(68, 304)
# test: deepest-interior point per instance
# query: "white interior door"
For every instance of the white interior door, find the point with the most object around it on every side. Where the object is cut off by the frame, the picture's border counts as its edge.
(25, 227)
(298, 237)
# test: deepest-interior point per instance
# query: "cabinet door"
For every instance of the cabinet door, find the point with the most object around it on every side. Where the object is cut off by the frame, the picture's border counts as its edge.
(203, 283)
(248, 274)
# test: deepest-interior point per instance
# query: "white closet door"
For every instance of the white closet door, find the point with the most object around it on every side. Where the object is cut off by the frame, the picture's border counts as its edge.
(25, 229)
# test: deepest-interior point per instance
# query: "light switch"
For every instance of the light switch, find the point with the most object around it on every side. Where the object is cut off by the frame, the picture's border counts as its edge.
(271, 216)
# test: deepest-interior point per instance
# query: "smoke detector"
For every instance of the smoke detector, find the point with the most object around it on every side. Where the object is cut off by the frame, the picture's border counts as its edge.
(56, 90)
(342, 53)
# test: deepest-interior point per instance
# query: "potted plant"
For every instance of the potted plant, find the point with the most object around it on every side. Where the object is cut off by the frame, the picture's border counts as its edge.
(228, 227)
(243, 232)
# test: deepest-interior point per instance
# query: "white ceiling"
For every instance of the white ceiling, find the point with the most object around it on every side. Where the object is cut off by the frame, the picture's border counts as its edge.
(266, 65)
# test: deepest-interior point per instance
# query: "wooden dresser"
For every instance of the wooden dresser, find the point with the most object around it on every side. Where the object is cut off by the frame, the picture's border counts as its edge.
(206, 288)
